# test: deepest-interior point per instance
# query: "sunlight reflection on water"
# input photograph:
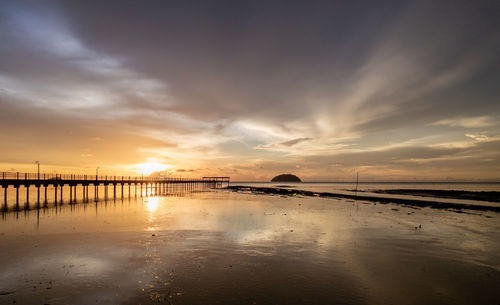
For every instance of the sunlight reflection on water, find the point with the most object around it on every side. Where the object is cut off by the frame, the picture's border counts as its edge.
(152, 203)
(224, 247)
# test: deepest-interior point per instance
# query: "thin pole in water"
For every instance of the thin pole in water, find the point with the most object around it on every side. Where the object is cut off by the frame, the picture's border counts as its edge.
(356, 190)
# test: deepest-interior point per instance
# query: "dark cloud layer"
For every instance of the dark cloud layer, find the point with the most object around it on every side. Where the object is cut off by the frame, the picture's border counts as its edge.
(235, 59)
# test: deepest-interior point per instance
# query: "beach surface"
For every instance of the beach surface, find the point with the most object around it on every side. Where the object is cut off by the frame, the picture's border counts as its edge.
(436, 199)
(227, 247)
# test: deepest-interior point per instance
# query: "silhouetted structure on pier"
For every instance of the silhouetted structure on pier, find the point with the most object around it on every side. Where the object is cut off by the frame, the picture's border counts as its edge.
(153, 185)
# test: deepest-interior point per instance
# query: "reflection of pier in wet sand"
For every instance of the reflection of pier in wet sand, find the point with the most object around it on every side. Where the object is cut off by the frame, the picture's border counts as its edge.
(125, 185)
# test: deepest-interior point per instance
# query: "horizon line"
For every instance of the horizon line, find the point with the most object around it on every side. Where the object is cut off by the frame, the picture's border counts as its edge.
(284, 182)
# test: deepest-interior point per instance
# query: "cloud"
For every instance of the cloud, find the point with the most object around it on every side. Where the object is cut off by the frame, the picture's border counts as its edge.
(294, 141)
(478, 137)
(186, 170)
(469, 122)
(208, 85)
(283, 145)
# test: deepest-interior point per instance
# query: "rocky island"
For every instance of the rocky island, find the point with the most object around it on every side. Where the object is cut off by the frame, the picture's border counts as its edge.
(286, 178)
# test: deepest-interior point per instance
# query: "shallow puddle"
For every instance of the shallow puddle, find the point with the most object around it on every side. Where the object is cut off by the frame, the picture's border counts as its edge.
(229, 248)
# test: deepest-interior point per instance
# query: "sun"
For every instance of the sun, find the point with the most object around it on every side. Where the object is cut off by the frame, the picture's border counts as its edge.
(149, 168)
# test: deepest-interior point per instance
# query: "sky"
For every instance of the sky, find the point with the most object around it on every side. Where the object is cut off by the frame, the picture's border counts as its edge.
(392, 90)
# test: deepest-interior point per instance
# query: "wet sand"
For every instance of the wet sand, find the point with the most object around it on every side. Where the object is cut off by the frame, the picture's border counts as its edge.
(483, 196)
(232, 248)
(437, 203)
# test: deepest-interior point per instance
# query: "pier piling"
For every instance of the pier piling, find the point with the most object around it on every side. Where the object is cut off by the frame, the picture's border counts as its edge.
(17, 197)
(153, 186)
(5, 197)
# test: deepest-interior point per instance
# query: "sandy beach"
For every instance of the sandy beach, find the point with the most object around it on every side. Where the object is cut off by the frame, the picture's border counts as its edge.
(460, 201)
(231, 248)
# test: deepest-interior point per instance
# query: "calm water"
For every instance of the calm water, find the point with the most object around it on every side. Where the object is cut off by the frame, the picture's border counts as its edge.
(229, 248)
(364, 186)
(369, 188)
(32, 196)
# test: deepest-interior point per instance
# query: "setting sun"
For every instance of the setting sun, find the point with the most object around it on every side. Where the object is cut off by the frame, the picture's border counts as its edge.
(149, 168)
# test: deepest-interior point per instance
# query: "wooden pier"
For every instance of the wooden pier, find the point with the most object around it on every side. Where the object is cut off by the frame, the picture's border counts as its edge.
(135, 185)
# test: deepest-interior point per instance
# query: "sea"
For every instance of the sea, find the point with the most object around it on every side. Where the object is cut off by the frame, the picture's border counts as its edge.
(367, 186)
(217, 246)
(373, 189)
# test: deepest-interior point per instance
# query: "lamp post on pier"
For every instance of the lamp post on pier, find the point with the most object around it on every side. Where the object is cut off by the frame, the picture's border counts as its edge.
(38, 165)
(38, 183)
(96, 186)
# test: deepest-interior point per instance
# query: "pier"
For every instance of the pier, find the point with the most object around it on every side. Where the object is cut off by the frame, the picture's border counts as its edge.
(112, 187)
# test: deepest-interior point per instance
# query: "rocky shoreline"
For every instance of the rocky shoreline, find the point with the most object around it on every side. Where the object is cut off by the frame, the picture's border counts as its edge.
(457, 207)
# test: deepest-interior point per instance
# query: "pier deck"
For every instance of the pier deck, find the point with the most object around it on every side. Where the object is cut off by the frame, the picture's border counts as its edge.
(58, 181)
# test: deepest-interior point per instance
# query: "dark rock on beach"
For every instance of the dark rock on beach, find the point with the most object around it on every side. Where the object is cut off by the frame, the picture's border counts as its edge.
(451, 194)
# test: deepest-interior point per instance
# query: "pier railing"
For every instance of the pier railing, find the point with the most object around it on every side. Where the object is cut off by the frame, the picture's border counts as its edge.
(134, 184)
(72, 177)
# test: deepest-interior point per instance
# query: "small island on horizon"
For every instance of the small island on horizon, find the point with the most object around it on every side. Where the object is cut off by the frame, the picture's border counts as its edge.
(286, 178)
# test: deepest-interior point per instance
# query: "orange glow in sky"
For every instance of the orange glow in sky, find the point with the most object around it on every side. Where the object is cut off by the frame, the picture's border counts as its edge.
(380, 98)
(151, 167)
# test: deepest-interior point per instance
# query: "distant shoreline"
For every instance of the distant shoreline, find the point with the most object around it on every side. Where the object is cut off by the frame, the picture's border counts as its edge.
(458, 207)
(376, 182)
